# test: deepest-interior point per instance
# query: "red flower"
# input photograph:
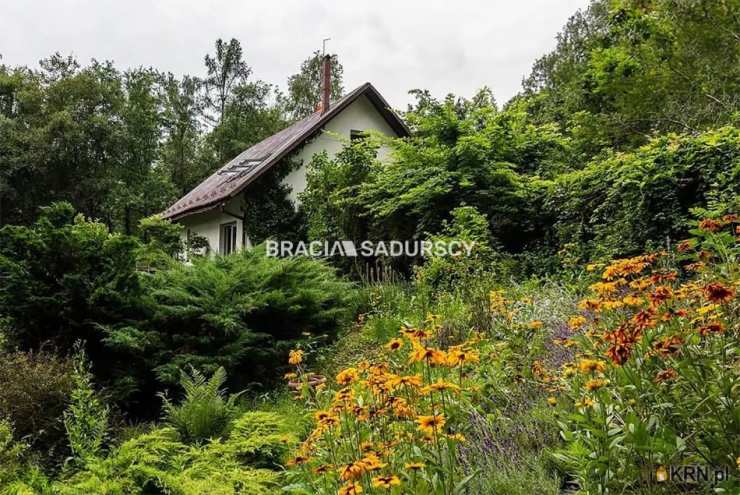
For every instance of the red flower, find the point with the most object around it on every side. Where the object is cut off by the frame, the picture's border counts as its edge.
(665, 375)
(710, 225)
(668, 345)
(622, 341)
(718, 293)
(710, 328)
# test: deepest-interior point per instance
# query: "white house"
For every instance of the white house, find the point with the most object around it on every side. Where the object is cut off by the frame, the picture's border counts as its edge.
(215, 208)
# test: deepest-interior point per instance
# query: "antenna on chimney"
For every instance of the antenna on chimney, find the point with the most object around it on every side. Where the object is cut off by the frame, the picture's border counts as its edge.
(323, 46)
(325, 77)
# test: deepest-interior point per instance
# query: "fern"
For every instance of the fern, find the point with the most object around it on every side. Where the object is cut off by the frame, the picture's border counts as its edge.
(206, 411)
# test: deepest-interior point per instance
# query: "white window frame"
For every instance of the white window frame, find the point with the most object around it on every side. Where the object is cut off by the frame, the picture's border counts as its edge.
(227, 233)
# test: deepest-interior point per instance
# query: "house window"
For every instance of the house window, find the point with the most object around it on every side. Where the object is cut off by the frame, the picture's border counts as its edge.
(355, 135)
(228, 238)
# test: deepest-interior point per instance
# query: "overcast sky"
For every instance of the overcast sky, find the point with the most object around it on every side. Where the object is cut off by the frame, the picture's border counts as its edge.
(446, 46)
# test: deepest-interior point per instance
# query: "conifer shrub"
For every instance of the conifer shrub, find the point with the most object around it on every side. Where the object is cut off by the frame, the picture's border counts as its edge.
(246, 461)
(240, 312)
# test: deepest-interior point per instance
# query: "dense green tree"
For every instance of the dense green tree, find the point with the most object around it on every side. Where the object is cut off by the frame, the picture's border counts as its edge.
(182, 132)
(241, 111)
(250, 117)
(304, 88)
(64, 278)
(624, 71)
(85, 135)
(226, 71)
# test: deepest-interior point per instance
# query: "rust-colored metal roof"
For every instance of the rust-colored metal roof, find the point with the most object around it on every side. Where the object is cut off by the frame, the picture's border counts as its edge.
(238, 173)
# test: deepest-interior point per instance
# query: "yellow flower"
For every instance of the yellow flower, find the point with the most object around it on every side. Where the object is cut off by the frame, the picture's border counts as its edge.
(428, 354)
(345, 377)
(611, 305)
(590, 304)
(353, 470)
(372, 462)
(324, 468)
(295, 357)
(535, 324)
(418, 466)
(322, 415)
(394, 344)
(552, 401)
(458, 437)
(298, 460)
(568, 371)
(407, 380)
(596, 383)
(707, 309)
(591, 365)
(456, 357)
(585, 402)
(439, 386)
(350, 489)
(604, 288)
(290, 376)
(428, 424)
(344, 395)
(632, 300)
(576, 322)
(386, 482)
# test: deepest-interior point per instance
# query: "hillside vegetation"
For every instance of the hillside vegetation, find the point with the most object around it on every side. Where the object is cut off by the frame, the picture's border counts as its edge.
(588, 343)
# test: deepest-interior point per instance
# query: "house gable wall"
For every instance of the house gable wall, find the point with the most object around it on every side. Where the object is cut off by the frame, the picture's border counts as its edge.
(360, 115)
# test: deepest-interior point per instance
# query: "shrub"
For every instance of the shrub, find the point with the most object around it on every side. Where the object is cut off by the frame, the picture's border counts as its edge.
(260, 439)
(62, 277)
(158, 462)
(240, 312)
(65, 278)
(17, 475)
(34, 390)
(205, 411)
(446, 273)
(86, 418)
(629, 203)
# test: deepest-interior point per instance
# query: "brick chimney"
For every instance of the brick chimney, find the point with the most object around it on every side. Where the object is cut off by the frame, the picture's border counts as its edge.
(325, 83)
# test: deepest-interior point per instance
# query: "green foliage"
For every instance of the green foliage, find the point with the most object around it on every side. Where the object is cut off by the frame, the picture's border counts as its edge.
(445, 273)
(161, 243)
(205, 412)
(304, 88)
(62, 276)
(468, 154)
(268, 210)
(330, 200)
(34, 390)
(86, 418)
(623, 70)
(241, 312)
(158, 461)
(161, 234)
(17, 475)
(84, 135)
(629, 202)
(261, 439)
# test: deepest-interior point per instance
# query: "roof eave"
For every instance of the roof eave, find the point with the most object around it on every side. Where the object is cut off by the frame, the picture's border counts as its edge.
(393, 120)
